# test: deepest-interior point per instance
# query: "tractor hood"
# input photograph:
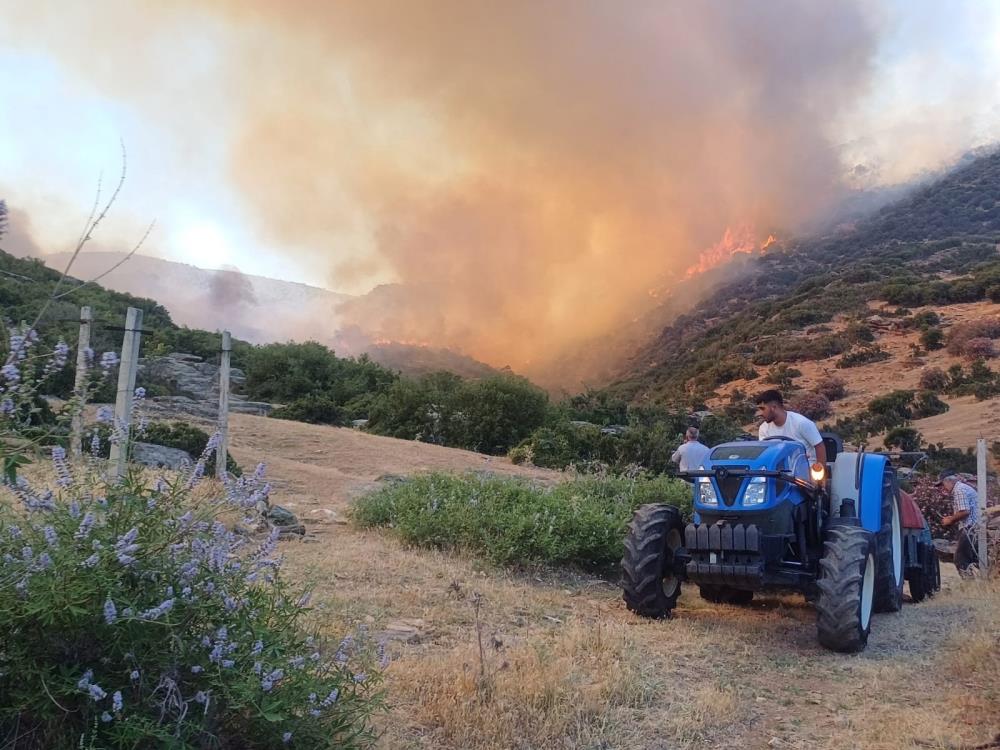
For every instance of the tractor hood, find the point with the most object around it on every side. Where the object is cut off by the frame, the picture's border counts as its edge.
(736, 492)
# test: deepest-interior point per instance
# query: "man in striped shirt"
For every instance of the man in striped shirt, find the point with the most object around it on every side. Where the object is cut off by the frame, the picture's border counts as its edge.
(965, 504)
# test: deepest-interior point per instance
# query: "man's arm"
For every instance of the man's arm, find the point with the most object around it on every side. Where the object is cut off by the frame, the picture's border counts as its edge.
(954, 518)
(820, 452)
(676, 458)
(961, 503)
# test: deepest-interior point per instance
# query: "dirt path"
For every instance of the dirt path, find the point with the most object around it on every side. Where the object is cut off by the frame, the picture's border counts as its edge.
(566, 666)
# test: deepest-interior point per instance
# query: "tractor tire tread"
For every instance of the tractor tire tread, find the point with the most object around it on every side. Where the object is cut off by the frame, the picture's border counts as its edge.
(888, 592)
(643, 561)
(838, 604)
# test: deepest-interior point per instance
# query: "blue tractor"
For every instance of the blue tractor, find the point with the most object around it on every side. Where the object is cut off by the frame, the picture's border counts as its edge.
(765, 520)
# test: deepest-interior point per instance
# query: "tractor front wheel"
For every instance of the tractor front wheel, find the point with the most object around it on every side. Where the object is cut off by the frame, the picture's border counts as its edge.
(649, 582)
(846, 589)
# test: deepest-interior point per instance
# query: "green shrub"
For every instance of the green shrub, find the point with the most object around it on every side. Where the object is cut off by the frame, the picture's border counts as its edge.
(512, 522)
(863, 355)
(782, 376)
(903, 438)
(312, 409)
(859, 332)
(925, 320)
(132, 618)
(496, 413)
(728, 371)
(932, 339)
(490, 415)
(284, 373)
(718, 428)
(893, 407)
(927, 404)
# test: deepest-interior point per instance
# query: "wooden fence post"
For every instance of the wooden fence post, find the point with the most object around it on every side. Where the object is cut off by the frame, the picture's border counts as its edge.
(126, 390)
(80, 383)
(223, 450)
(984, 564)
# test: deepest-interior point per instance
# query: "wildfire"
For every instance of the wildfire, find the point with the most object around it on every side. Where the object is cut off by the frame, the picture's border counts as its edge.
(740, 240)
(402, 342)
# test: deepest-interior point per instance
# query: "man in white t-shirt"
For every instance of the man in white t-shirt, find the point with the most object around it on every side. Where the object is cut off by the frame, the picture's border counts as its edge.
(778, 421)
(692, 453)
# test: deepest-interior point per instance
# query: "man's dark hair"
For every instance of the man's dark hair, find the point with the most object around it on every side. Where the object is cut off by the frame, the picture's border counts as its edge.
(769, 397)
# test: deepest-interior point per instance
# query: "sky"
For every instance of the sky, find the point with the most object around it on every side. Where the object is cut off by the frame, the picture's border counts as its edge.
(507, 179)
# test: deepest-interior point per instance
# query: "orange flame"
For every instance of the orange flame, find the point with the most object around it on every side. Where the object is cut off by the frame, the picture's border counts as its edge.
(402, 342)
(734, 241)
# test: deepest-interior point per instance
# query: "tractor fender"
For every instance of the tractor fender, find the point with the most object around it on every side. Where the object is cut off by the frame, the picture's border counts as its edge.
(861, 483)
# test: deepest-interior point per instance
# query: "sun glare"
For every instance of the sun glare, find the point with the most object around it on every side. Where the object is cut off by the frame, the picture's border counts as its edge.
(204, 244)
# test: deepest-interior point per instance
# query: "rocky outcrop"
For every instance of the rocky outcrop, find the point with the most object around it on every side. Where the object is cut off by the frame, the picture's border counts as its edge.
(160, 456)
(194, 385)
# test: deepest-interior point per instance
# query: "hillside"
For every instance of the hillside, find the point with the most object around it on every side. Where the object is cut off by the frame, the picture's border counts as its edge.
(259, 309)
(937, 247)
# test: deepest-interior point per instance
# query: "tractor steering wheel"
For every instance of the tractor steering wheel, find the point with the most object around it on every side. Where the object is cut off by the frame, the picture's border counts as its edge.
(782, 437)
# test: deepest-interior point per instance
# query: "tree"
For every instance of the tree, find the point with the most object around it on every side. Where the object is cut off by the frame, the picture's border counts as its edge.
(494, 414)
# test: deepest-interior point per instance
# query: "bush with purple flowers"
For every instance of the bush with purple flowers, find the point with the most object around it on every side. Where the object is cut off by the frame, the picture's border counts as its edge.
(132, 617)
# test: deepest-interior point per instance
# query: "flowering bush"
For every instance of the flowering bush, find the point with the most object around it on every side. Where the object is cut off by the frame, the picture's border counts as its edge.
(933, 379)
(134, 618)
(961, 333)
(832, 386)
(978, 348)
(812, 405)
(936, 503)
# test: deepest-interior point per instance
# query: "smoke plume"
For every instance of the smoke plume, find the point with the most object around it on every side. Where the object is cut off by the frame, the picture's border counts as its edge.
(510, 178)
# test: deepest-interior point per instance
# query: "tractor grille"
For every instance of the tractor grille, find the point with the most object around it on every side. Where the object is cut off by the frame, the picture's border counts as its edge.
(730, 486)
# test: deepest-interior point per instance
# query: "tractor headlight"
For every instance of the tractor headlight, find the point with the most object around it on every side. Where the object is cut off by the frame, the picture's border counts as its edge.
(756, 492)
(706, 492)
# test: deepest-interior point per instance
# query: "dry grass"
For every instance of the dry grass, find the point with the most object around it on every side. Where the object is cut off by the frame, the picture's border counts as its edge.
(565, 688)
(567, 667)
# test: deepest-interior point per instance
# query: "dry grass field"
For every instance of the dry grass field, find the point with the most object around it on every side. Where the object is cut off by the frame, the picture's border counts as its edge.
(487, 658)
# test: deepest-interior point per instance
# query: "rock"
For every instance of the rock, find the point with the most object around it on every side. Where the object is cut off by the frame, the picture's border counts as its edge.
(194, 384)
(160, 456)
(281, 516)
(406, 630)
(292, 530)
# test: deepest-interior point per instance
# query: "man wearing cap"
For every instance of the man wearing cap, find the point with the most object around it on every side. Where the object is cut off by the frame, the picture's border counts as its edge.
(965, 503)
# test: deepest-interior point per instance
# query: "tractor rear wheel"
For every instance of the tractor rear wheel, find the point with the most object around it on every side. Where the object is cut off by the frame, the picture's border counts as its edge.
(925, 583)
(846, 589)
(889, 573)
(724, 594)
(649, 583)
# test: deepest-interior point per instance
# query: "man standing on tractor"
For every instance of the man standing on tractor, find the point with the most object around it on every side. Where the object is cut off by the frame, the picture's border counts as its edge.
(692, 453)
(779, 422)
(965, 503)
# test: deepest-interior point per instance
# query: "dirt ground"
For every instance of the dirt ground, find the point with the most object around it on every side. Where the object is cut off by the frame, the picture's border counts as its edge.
(486, 658)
